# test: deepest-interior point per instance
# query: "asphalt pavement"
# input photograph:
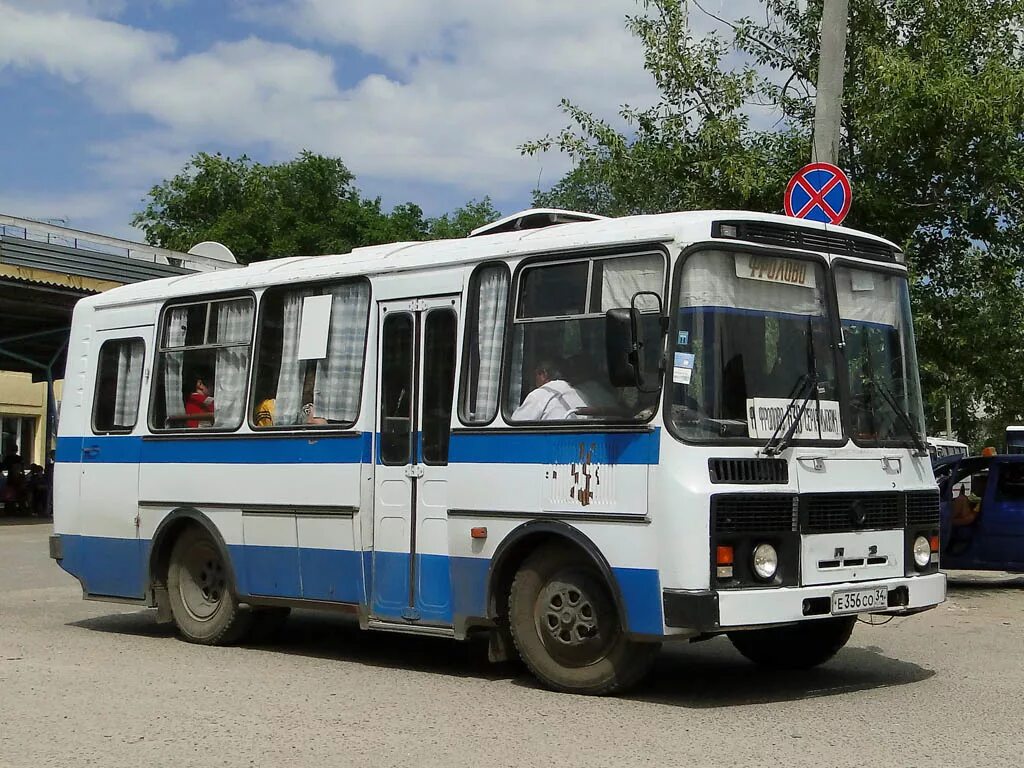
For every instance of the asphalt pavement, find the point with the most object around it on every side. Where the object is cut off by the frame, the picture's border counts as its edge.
(101, 684)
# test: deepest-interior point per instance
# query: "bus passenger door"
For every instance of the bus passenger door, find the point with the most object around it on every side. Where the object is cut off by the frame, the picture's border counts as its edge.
(418, 346)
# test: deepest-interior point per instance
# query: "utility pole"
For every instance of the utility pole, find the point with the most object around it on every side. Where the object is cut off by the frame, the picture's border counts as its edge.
(828, 104)
(949, 419)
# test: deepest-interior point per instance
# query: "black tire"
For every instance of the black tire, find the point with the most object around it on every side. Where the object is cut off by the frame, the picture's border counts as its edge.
(797, 646)
(566, 627)
(203, 600)
(267, 624)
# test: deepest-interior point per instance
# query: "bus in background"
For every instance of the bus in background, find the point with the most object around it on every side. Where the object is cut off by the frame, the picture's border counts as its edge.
(940, 448)
(582, 440)
(1015, 439)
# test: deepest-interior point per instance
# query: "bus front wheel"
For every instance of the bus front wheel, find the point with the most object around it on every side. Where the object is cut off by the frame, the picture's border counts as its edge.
(201, 594)
(567, 629)
(797, 646)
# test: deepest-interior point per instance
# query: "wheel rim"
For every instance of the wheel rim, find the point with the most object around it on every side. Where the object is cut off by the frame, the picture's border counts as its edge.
(575, 620)
(203, 582)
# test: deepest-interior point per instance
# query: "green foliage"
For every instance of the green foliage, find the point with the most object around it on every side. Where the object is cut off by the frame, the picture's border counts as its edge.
(933, 119)
(462, 221)
(303, 207)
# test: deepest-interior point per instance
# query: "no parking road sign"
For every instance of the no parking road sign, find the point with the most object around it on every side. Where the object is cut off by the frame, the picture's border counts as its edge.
(819, 192)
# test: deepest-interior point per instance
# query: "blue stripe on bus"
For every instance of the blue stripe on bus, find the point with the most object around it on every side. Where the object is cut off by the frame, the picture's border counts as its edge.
(449, 586)
(129, 449)
(476, 448)
(555, 447)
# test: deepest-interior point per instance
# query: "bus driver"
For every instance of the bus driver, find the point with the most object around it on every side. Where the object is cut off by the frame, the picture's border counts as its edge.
(552, 400)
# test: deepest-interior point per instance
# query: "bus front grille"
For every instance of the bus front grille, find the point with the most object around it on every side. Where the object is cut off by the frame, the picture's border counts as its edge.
(923, 509)
(749, 471)
(749, 512)
(832, 512)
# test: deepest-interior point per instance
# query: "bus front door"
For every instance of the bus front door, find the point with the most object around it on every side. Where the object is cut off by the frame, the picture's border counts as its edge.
(416, 385)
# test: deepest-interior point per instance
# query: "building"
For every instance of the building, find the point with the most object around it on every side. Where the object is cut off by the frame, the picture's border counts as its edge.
(44, 271)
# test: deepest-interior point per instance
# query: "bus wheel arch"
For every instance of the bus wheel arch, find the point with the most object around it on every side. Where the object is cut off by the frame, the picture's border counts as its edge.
(169, 530)
(542, 556)
(190, 523)
(521, 543)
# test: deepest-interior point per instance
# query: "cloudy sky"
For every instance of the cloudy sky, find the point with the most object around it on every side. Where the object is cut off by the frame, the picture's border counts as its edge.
(424, 100)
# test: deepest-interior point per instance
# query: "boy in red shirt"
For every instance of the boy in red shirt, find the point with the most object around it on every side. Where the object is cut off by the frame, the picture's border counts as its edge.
(199, 402)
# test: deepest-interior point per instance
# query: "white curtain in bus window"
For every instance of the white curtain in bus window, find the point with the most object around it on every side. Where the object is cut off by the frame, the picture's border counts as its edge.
(177, 327)
(767, 284)
(621, 279)
(868, 297)
(492, 303)
(292, 376)
(234, 326)
(129, 383)
(339, 375)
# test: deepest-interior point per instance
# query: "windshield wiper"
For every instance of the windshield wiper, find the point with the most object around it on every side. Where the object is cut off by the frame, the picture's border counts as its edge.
(808, 383)
(890, 398)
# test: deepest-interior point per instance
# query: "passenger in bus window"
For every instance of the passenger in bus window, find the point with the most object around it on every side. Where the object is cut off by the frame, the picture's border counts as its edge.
(264, 416)
(199, 404)
(553, 399)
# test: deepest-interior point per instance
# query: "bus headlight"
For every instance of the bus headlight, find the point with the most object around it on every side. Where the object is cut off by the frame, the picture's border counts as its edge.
(766, 561)
(922, 552)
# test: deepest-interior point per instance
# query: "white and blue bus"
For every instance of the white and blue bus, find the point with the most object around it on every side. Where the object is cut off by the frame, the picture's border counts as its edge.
(583, 439)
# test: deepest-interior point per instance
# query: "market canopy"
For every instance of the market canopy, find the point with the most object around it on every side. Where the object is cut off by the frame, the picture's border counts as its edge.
(45, 270)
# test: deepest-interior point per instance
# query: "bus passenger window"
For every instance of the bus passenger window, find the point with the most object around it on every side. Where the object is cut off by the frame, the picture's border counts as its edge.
(396, 389)
(485, 337)
(118, 385)
(202, 365)
(558, 361)
(297, 388)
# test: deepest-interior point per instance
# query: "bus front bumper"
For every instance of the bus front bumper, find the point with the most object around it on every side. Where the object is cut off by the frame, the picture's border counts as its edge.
(708, 611)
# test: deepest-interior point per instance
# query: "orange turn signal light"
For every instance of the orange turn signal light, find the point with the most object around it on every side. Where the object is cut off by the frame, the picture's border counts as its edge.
(478, 533)
(933, 541)
(723, 555)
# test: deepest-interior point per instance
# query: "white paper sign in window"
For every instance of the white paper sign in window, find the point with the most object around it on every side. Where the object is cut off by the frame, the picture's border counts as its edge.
(316, 327)
(820, 420)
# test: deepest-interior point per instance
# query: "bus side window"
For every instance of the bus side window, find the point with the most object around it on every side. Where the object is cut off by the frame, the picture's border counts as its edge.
(558, 362)
(485, 337)
(202, 365)
(118, 385)
(296, 384)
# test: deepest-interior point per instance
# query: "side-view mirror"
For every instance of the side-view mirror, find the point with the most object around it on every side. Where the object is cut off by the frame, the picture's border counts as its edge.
(621, 346)
(632, 336)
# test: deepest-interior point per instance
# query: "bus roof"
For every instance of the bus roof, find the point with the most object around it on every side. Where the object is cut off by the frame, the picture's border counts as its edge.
(693, 226)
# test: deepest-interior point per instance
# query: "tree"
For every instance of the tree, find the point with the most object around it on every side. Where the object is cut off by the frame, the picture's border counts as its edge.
(933, 126)
(462, 221)
(303, 207)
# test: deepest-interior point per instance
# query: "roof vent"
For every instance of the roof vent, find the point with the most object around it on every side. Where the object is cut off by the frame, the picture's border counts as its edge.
(534, 218)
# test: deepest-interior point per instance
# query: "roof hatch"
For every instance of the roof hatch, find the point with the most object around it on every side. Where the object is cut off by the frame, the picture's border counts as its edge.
(534, 218)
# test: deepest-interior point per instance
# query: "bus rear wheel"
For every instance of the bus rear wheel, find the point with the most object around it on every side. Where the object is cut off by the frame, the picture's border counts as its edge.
(798, 646)
(202, 597)
(566, 628)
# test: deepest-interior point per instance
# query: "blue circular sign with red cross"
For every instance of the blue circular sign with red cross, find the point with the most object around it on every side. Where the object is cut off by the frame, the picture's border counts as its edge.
(819, 192)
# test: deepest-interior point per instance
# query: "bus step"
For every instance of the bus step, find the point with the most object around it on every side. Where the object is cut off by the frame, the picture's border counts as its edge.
(410, 629)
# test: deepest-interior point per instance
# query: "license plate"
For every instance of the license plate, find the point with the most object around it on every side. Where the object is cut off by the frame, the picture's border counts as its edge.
(860, 600)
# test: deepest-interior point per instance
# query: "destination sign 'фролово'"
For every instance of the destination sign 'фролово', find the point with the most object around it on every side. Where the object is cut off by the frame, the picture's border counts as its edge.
(772, 269)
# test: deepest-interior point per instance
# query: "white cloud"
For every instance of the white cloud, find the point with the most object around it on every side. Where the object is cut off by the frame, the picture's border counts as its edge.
(467, 83)
(77, 48)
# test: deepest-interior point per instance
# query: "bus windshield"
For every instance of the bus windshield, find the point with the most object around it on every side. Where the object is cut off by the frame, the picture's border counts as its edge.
(885, 390)
(752, 351)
